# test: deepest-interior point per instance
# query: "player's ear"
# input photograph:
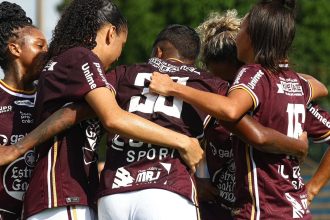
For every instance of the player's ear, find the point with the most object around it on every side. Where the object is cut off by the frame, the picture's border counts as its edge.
(111, 32)
(158, 52)
(14, 49)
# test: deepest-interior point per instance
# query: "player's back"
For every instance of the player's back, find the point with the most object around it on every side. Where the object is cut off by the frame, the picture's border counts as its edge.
(142, 164)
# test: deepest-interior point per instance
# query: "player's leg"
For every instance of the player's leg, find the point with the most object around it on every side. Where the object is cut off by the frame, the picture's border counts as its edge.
(67, 212)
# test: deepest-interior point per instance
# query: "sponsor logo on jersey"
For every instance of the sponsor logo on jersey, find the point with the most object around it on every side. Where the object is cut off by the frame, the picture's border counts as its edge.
(123, 177)
(27, 103)
(93, 132)
(298, 210)
(317, 115)
(6, 108)
(225, 181)
(293, 176)
(3, 139)
(165, 67)
(239, 75)
(99, 70)
(222, 153)
(255, 79)
(50, 66)
(88, 75)
(139, 150)
(26, 117)
(17, 175)
(290, 87)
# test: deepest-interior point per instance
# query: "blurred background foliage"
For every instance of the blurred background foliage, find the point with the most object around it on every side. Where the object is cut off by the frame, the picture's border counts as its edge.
(310, 51)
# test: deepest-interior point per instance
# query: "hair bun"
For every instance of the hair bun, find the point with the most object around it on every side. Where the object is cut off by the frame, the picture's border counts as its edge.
(12, 12)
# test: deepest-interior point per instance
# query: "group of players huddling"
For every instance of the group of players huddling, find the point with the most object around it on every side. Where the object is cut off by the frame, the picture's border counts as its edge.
(219, 142)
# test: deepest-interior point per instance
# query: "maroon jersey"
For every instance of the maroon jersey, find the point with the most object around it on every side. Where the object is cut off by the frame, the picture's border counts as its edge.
(16, 116)
(269, 186)
(132, 165)
(221, 167)
(66, 172)
(318, 121)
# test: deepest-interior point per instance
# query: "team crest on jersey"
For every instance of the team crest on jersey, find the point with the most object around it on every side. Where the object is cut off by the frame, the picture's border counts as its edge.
(290, 87)
(17, 175)
(50, 66)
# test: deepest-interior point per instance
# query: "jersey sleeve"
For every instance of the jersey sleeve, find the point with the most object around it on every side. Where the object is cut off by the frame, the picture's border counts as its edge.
(114, 76)
(307, 87)
(318, 124)
(86, 74)
(252, 80)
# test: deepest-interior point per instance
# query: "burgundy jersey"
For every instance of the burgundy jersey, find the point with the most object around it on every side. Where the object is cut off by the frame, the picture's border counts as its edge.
(318, 121)
(16, 116)
(66, 171)
(221, 166)
(269, 186)
(133, 165)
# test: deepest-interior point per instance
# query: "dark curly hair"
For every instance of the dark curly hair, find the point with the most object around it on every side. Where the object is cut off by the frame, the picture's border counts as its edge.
(80, 22)
(12, 19)
(271, 27)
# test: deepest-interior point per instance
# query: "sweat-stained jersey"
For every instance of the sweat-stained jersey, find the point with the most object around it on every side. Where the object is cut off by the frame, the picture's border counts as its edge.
(133, 165)
(66, 172)
(16, 120)
(269, 186)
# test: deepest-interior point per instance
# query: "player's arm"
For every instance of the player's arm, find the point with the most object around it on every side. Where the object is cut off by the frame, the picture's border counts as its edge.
(228, 108)
(320, 177)
(58, 122)
(267, 139)
(319, 89)
(121, 122)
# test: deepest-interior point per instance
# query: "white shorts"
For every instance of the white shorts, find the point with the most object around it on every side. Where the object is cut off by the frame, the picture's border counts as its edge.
(65, 213)
(148, 204)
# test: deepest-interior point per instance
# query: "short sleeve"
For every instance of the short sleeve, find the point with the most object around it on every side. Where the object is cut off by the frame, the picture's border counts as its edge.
(114, 76)
(85, 73)
(318, 124)
(252, 80)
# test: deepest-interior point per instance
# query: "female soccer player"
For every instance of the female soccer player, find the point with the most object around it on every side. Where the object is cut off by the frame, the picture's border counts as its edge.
(20, 46)
(270, 185)
(87, 39)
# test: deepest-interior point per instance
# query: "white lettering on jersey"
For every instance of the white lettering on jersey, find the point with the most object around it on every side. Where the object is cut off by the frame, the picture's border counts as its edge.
(239, 75)
(89, 76)
(317, 115)
(297, 209)
(122, 178)
(290, 87)
(27, 103)
(255, 79)
(6, 108)
(50, 66)
(154, 102)
(165, 67)
(296, 117)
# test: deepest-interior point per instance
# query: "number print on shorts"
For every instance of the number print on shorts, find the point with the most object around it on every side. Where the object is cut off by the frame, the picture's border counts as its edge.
(296, 117)
(155, 103)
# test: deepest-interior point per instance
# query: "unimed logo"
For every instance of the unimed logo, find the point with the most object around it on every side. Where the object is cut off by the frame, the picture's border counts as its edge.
(88, 75)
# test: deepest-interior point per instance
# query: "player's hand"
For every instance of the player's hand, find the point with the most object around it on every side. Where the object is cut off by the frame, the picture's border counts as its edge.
(192, 153)
(303, 137)
(8, 154)
(205, 190)
(161, 84)
(310, 193)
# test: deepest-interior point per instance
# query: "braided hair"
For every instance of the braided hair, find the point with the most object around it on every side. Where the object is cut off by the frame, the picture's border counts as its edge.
(12, 19)
(80, 22)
